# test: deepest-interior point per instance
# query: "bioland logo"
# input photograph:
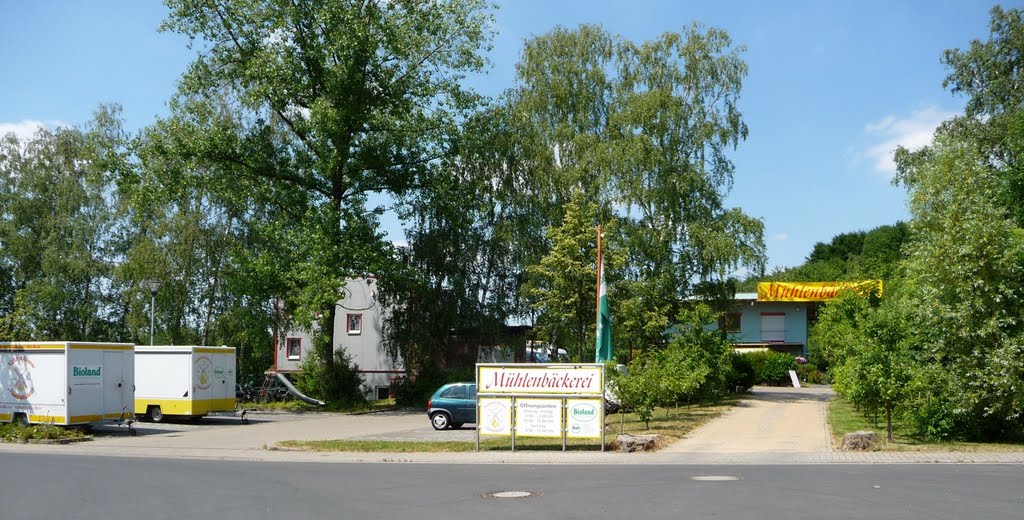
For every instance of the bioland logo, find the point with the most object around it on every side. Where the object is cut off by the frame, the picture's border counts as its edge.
(583, 412)
(86, 371)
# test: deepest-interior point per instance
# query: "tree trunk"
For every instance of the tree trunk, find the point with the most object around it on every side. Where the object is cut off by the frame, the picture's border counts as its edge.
(888, 423)
(328, 349)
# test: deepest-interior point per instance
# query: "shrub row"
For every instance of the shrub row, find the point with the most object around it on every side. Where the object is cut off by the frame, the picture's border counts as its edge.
(416, 391)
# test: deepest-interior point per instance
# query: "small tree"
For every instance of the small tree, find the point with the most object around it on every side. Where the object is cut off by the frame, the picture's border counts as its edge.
(697, 357)
(339, 383)
(638, 390)
(876, 365)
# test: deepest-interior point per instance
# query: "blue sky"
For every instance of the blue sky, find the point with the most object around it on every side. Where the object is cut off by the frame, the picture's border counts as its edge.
(833, 87)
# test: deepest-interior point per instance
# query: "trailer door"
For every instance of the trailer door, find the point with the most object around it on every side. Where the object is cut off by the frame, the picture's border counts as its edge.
(117, 387)
(85, 377)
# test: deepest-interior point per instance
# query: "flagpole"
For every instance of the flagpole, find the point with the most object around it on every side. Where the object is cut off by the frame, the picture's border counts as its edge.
(597, 294)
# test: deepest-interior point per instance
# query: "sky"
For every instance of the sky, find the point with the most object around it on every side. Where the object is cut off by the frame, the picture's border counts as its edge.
(833, 87)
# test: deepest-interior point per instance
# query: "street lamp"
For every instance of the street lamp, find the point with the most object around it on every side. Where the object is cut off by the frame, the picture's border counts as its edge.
(153, 286)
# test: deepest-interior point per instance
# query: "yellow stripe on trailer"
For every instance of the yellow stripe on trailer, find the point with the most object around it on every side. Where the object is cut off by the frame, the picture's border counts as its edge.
(185, 406)
(215, 405)
(20, 347)
(63, 345)
(46, 419)
(216, 350)
(84, 419)
(101, 346)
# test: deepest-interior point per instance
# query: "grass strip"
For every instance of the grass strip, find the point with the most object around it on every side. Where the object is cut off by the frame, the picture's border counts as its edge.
(843, 418)
(670, 424)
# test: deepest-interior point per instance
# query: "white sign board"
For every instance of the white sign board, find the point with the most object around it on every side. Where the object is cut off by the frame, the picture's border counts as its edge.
(547, 379)
(584, 417)
(539, 417)
(495, 416)
(793, 377)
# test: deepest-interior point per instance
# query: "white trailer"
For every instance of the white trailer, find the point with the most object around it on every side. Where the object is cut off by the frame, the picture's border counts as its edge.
(66, 383)
(187, 381)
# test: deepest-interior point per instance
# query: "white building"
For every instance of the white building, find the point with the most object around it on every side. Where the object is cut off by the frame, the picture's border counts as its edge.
(357, 331)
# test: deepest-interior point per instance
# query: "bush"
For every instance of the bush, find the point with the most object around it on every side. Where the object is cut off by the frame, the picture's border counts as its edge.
(809, 373)
(18, 433)
(742, 374)
(415, 391)
(776, 368)
(816, 356)
(771, 368)
(340, 385)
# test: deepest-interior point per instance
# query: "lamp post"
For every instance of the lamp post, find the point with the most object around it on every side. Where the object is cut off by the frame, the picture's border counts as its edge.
(153, 286)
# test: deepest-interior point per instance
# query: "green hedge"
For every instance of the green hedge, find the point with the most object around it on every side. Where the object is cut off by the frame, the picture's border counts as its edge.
(742, 376)
(771, 368)
(416, 391)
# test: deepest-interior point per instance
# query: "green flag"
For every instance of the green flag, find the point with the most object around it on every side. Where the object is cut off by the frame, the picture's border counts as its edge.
(604, 317)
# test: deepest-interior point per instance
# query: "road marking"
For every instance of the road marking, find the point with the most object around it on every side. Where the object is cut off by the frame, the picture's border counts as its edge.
(714, 478)
(511, 494)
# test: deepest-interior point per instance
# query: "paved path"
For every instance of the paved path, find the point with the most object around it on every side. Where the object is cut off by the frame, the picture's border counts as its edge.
(771, 420)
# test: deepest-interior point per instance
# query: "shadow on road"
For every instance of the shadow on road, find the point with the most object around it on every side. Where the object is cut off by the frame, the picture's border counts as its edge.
(781, 394)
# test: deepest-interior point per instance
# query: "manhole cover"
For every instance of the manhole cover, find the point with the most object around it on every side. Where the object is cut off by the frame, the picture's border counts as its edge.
(512, 494)
(714, 478)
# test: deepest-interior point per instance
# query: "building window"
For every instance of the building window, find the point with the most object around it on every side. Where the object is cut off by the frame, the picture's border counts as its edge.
(729, 322)
(293, 346)
(354, 324)
(773, 327)
(383, 392)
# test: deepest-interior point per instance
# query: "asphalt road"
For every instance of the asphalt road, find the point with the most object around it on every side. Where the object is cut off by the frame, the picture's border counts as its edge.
(39, 486)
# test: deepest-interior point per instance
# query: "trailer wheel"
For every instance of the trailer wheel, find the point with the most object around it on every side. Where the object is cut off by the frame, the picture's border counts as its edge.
(19, 419)
(155, 414)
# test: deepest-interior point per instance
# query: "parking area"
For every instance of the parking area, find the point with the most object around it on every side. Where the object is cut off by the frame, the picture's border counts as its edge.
(264, 429)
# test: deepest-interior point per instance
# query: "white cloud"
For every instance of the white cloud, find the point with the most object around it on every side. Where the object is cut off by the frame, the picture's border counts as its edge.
(780, 236)
(27, 128)
(911, 132)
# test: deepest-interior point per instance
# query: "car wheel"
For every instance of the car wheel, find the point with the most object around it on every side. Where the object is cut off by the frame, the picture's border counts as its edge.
(155, 414)
(441, 421)
(20, 419)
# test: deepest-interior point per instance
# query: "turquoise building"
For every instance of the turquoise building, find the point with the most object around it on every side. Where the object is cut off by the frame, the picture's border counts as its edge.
(768, 325)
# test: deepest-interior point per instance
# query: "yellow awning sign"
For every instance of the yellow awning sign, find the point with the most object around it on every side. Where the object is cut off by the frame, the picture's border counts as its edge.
(813, 291)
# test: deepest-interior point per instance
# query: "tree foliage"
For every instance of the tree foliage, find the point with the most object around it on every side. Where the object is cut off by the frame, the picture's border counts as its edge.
(642, 131)
(695, 365)
(58, 232)
(295, 120)
(946, 345)
(306, 109)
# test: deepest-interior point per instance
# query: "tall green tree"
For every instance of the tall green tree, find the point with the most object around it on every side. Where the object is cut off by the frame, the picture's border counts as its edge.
(967, 266)
(989, 73)
(472, 229)
(306, 109)
(57, 224)
(643, 130)
(968, 244)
